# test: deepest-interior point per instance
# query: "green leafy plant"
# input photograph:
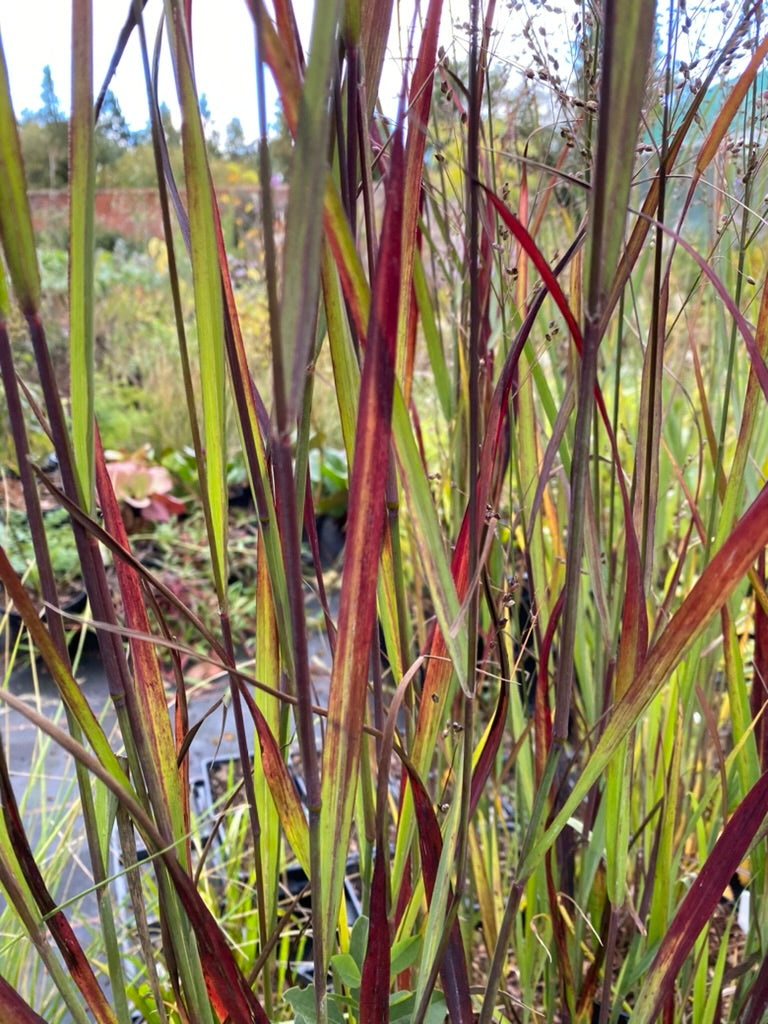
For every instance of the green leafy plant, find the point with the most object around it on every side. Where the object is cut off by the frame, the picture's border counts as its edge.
(347, 968)
(547, 339)
(16, 540)
(329, 475)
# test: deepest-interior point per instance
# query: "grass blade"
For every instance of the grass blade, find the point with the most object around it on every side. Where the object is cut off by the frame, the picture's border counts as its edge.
(453, 967)
(708, 595)
(15, 220)
(14, 1009)
(364, 535)
(81, 249)
(304, 218)
(701, 900)
(209, 305)
(147, 702)
(77, 963)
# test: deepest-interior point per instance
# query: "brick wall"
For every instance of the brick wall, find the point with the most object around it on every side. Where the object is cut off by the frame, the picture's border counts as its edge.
(133, 214)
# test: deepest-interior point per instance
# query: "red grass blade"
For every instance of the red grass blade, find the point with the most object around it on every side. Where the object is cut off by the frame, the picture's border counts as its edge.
(728, 111)
(490, 748)
(146, 701)
(374, 999)
(759, 693)
(708, 595)
(544, 269)
(13, 1009)
(701, 900)
(635, 618)
(374, 983)
(357, 613)
(74, 957)
(229, 992)
(375, 17)
(754, 1011)
(453, 969)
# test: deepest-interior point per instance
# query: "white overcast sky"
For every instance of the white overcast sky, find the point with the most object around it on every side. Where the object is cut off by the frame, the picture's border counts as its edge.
(38, 32)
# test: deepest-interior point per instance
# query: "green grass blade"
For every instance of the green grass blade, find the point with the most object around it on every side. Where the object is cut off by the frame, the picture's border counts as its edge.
(303, 233)
(68, 688)
(699, 903)
(628, 28)
(209, 304)
(15, 221)
(707, 596)
(81, 251)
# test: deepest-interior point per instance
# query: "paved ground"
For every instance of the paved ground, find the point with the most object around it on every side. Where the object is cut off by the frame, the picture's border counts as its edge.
(43, 774)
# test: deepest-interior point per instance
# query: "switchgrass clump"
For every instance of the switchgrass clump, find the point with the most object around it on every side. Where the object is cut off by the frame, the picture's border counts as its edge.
(530, 311)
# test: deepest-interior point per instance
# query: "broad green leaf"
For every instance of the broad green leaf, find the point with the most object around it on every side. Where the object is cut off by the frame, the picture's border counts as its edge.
(302, 1002)
(358, 939)
(348, 971)
(405, 953)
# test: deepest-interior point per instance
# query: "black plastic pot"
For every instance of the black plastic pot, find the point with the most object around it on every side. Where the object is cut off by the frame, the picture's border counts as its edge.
(73, 606)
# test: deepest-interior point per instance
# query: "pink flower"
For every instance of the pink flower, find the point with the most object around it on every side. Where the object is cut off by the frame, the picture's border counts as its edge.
(145, 488)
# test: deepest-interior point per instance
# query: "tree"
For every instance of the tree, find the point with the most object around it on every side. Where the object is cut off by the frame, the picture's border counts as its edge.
(113, 135)
(172, 135)
(212, 138)
(44, 139)
(50, 112)
(235, 146)
(280, 145)
(112, 125)
(205, 110)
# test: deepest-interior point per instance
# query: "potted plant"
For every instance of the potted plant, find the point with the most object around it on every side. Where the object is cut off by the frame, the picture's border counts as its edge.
(16, 538)
(142, 487)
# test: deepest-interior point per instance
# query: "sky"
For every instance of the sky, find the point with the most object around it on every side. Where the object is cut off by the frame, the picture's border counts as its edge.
(38, 32)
